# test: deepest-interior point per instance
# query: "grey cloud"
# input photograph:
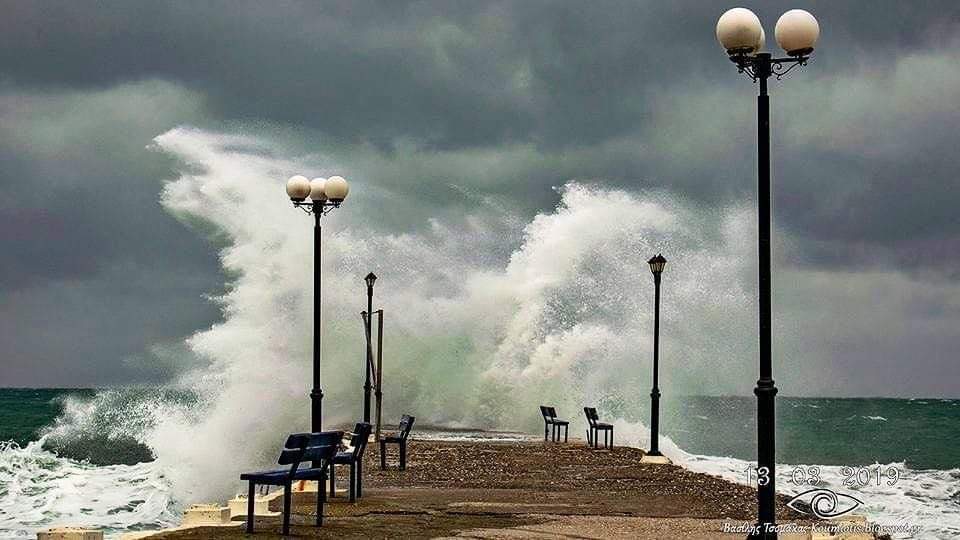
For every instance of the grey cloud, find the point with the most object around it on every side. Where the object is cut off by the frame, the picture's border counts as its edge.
(462, 107)
(93, 270)
(450, 74)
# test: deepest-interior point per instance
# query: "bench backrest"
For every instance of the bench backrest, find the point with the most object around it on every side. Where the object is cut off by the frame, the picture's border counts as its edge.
(549, 413)
(361, 434)
(301, 447)
(406, 424)
(592, 416)
(323, 446)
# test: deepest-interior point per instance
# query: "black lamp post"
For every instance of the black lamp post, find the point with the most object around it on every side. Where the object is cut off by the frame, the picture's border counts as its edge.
(741, 34)
(325, 195)
(656, 266)
(370, 280)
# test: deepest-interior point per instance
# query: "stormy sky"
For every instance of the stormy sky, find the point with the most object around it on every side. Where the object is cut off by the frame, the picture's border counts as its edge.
(98, 284)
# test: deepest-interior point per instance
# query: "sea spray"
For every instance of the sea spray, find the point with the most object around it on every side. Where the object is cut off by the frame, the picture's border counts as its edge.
(471, 339)
(485, 320)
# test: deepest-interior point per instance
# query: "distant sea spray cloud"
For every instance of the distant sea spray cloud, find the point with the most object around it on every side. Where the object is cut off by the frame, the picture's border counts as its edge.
(470, 339)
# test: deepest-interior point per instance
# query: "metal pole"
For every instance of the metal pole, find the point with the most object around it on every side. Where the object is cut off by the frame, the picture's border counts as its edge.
(655, 392)
(369, 362)
(766, 389)
(379, 391)
(316, 394)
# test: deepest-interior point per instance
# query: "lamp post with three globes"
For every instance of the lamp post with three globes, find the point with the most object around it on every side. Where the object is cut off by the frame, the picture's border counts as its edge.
(325, 195)
(741, 34)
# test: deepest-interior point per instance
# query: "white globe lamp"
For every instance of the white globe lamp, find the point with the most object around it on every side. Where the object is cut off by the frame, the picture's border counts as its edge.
(739, 31)
(317, 193)
(336, 189)
(298, 187)
(797, 32)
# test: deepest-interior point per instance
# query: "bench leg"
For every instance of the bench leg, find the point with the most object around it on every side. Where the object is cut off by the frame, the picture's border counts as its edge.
(383, 455)
(566, 432)
(333, 482)
(250, 494)
(286, 508)
(359, 478)
(353, 482)
(546, 429)
(403, 455)
(611, 438)
(321, 498)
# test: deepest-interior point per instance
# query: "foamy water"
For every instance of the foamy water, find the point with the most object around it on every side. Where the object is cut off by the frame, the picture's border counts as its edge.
(39, 490)
(920, 497)
(488, 314)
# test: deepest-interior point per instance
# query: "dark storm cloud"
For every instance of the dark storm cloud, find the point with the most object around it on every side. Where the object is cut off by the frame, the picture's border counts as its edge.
(93, 270)
(451, 98)
(450, 73)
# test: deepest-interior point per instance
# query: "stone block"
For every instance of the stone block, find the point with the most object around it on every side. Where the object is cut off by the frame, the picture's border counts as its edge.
(70, 533)
(203, 514)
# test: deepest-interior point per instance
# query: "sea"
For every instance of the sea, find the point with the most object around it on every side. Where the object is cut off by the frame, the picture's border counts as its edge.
(900, 457)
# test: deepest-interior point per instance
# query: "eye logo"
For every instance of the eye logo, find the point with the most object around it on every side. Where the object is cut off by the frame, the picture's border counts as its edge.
(823, 503)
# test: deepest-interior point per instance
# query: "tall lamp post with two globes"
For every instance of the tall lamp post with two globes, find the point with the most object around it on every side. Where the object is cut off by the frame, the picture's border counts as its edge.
(324, 195)
(741, 34)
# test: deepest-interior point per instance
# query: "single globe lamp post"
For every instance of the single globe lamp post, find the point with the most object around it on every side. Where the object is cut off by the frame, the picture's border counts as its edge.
(324, 195)
(742, 36)
(656, 267)
(370, 280)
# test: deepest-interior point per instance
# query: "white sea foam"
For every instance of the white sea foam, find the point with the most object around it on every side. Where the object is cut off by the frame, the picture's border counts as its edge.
(918, 498)
(40, 490)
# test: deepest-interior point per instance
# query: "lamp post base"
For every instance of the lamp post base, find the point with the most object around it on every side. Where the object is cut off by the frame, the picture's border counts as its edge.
(655, 460)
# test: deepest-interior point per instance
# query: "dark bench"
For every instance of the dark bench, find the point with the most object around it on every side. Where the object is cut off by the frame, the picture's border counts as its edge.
(594, 426)
(354, 458)
(400, 439)
(315, 448)
(550, 420)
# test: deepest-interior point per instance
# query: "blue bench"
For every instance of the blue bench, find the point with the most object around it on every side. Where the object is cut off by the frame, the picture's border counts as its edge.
(400, 439)
(316, 449)
(550, 420)
(354, 458)
(595, 426)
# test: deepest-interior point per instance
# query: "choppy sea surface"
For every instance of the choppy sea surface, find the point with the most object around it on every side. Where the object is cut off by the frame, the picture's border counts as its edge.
(51, 476)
